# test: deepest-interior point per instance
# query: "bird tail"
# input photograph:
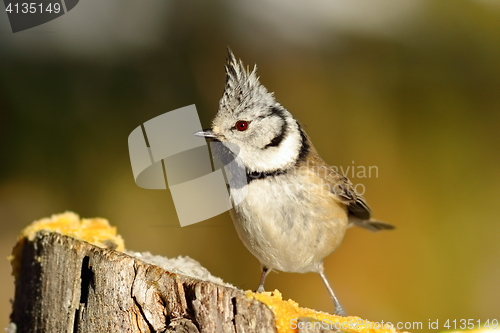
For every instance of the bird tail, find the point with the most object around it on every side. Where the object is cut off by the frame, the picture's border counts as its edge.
(371, 224)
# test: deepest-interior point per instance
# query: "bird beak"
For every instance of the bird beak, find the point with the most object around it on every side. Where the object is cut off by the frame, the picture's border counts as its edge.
(206, 133)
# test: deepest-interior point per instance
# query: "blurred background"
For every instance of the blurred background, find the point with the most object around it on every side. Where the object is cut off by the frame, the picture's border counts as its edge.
(411, 87)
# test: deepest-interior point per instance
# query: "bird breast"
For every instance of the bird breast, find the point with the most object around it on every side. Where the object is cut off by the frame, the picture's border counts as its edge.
(290, 222)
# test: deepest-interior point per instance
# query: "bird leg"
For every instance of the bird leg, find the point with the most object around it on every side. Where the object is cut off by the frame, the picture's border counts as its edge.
(263, 275)
(339, 309)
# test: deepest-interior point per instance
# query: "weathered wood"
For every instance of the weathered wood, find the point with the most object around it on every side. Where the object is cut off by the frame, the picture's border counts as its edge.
(67, 285)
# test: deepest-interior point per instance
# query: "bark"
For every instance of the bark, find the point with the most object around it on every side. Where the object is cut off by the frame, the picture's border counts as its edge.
(67, 285)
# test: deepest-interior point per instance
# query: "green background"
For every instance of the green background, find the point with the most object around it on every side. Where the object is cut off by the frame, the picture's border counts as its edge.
(410, 87)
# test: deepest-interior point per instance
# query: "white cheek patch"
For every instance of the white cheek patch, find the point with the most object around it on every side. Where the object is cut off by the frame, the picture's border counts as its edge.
(271, 159)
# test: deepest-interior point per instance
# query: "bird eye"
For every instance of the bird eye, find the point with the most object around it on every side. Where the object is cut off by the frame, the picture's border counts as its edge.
(242, 125)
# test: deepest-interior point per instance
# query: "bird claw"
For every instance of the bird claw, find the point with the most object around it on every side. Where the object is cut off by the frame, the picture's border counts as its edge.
(339, 311)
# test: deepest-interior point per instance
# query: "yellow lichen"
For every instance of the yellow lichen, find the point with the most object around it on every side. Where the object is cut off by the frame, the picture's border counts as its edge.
(287, 315)
(96, 231)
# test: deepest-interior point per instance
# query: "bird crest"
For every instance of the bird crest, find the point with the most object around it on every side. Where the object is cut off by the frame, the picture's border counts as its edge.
(243, 89)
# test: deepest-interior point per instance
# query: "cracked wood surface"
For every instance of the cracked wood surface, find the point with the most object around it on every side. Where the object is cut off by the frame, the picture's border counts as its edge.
(68, 285)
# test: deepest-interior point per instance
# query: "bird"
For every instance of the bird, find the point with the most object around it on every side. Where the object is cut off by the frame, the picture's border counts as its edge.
(290, 209)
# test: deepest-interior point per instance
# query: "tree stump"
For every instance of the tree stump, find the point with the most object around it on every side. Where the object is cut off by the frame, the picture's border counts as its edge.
(67, 285)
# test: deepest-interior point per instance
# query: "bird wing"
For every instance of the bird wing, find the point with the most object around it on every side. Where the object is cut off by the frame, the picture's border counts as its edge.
(357, 208)
(346, 193)
(359, 213)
